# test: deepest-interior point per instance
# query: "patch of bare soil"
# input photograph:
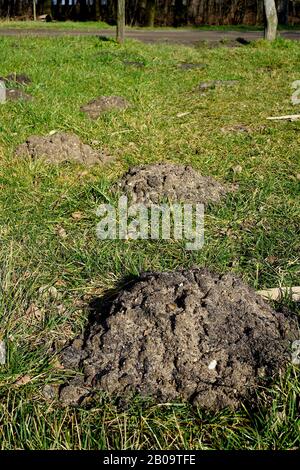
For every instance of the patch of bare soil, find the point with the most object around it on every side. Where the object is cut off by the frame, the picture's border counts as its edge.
(15, 94)
(236, 128)
(177, 183)
(131, 63)
(105, 103)
(230, 43)
(191, 66)
(61, 147)
(212, 84)
(189, 335)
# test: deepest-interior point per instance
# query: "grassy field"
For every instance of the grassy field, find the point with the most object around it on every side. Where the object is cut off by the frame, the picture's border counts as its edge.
(255, 233)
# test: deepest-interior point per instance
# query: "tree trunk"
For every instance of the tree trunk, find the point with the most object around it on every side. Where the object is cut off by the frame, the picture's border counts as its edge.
(283, 11)
(47, 7)
(150, 13)
(271, 20)
(121, 21)
(34, 10)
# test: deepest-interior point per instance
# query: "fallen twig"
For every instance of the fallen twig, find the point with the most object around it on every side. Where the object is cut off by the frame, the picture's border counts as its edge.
(288, 117)
(277, 293)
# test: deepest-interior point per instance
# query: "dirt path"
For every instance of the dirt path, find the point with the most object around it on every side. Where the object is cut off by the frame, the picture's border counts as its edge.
(171, 36)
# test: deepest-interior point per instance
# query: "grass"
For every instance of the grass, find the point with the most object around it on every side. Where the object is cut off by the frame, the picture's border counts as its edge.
(93, 25)
(254, 233)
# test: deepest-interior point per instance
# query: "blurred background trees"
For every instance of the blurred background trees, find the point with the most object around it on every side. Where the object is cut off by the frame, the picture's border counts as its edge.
(159, 12)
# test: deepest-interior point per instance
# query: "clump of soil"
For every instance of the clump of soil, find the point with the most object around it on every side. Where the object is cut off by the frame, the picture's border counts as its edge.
(105, 103)
(194, 335)
(131, 63)
(212, 84)
(177, 183)
(19, 79)
(16, 95)
(229, 43)
(191, 66)
(61, 147)
(237, 128)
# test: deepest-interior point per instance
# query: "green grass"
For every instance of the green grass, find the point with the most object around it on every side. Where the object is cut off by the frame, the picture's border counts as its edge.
(254, 233)
(93, 25)
(54, 24)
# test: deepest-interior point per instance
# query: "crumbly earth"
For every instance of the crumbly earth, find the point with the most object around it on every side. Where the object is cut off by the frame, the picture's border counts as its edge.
(238, 128)
(20, 79)
(188, 335)
(191, 66)
(105, 103)
(153, 183)
(238, 42)
(212, 84)
(61, 147)
(13, 94)
(131, 63)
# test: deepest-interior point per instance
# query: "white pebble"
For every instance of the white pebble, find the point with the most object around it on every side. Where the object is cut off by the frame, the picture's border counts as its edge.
(212, 365)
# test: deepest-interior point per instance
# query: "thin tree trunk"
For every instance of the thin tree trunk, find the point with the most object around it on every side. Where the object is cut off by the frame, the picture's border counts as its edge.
(271, 20)
(34, 10)
(150, 13)
(283, 11)
(121, 21)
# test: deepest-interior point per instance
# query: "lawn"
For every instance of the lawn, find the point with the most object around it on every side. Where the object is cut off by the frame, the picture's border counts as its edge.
(254, 233)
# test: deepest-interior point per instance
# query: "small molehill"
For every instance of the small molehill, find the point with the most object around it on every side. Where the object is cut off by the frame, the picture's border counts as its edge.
(61, 147)
(191, 66)
(15, 94)
(17, 78)
(105, 103)
(176, 183)
(212, 84)
(190, 335)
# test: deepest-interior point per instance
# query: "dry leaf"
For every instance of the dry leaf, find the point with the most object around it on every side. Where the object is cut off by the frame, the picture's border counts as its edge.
(77, 215)
(25, 379)
(61, 232)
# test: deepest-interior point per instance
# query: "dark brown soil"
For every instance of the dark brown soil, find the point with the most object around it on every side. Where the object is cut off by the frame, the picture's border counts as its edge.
(19, 79)
(212, 84)
(61, 147)
(189, 335)
(191, 66)
(153, 183)
(17, 95)
(105, 103)
(136, 64)
(236, 128)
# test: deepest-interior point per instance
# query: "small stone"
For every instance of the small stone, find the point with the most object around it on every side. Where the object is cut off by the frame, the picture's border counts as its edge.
(237, 169)
(25, 379)
(50, 392)
(53, 292)
(77, 215)
(61, 232)
(212, 365)
(2, 353)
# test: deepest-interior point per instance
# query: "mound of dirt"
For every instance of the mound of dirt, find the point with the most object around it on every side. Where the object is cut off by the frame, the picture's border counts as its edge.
(131, 63)
(229, 43)
(16, 95)
(194, 335)
(236, 128)
(191, 66)
(61, 147)
(105, 103)
(153, 183)
(20, 79)
(212, 84)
